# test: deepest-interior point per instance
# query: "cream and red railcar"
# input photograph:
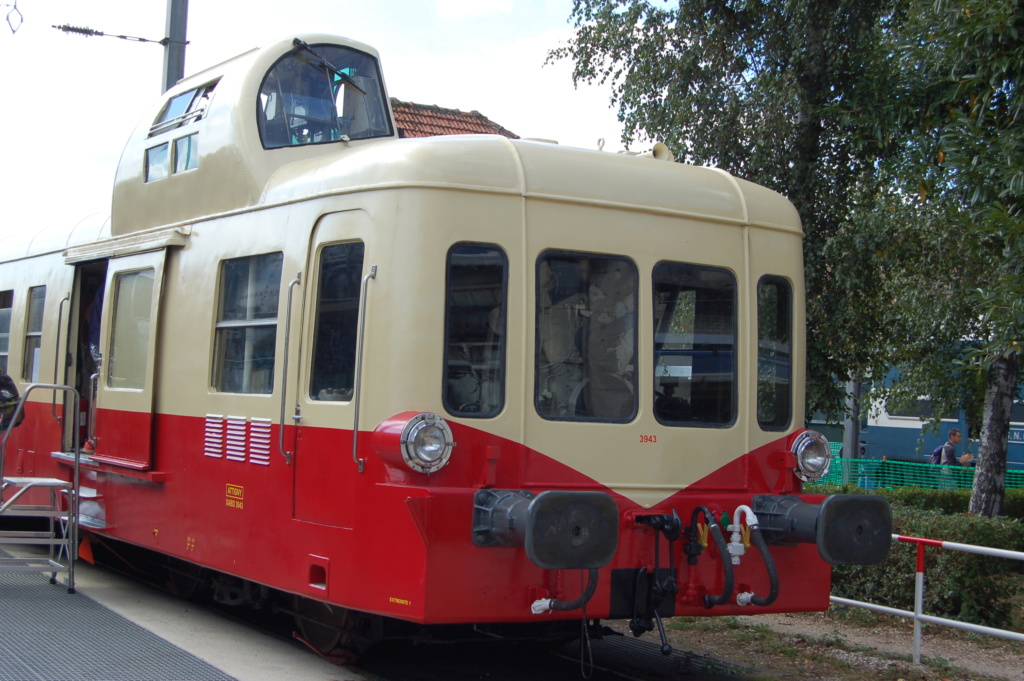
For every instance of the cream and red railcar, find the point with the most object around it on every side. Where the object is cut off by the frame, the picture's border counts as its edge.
(448, 380)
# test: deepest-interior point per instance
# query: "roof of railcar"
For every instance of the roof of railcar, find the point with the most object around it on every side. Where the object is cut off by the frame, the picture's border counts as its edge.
(540, 170)
(54, 238)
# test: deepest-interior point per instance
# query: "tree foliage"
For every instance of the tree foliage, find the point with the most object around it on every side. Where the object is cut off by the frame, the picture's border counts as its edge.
(772, 92)
(895, 127)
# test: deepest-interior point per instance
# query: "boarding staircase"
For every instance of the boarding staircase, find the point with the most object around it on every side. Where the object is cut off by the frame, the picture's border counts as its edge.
(60, 510)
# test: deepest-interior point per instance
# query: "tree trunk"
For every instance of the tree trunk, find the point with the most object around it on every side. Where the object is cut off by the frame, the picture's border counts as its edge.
(990, 474)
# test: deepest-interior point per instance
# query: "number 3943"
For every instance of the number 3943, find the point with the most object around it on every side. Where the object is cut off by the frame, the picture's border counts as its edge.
(648, 439)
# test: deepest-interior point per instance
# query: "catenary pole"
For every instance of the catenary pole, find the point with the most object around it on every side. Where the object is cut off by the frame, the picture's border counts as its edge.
(174, 48)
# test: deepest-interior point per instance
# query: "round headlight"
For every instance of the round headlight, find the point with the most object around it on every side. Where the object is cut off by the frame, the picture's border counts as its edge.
(426, 443)
(813, 455)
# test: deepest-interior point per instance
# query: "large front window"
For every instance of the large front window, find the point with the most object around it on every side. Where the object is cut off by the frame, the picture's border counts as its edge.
(247, 324)
(586, 337)
(694, 345)
(322, 93)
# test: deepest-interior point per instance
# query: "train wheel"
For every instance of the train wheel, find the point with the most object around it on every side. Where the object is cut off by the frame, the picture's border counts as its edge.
(184, 579)
(319, 624)
(328, 628)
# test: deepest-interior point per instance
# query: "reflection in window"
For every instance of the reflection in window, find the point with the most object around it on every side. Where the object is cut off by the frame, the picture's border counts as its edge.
(337, 318)
(6, 302)
(186, 153)
(34, 334)
(774, 353)
(694, 345)
(328, 96)
(247, 324)
(475, 331)
(586, 337)
(184, 108)
(129, 340)
(157, 162)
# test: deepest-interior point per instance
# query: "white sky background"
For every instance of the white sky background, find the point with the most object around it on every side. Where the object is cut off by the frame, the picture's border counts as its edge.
(68, 102)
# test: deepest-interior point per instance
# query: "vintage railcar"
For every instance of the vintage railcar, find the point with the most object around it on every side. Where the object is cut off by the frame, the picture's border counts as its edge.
(440, 381)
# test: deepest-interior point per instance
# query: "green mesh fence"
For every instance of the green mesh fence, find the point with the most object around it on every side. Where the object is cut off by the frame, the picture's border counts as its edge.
(878, 473)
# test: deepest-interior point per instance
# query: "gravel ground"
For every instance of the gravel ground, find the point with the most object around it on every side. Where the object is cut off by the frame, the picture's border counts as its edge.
(829, 648)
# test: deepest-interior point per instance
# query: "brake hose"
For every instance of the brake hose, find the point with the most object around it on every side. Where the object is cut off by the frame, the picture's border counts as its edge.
(723, 551)
(547, 604)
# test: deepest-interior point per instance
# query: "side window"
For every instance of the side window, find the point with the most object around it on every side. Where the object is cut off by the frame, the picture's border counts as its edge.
(774, 353)
(6, 302)
(129, 339)
(694, 345)
(586, 337)
(34, 334)
(247, 324)
(337, 318)
(475, 318)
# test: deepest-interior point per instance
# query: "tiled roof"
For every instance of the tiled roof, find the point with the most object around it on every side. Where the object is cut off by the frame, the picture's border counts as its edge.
(422, 120)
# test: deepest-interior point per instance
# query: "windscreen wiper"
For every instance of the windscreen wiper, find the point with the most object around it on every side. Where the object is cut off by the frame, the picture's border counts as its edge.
(345, 78)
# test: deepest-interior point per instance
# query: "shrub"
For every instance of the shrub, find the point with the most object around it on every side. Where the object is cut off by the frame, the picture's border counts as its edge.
(962, 586)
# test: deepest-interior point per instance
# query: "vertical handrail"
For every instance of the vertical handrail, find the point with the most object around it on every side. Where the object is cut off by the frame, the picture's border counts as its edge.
(357, 384)
(93, 381)
(297, 281)
(56, 362)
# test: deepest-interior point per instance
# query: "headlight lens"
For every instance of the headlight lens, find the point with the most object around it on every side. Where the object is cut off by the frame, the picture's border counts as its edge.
(813, 455)
(426, 443)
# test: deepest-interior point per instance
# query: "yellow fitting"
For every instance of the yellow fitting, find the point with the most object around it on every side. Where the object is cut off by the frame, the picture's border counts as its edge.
(702, 534)
(745, 532)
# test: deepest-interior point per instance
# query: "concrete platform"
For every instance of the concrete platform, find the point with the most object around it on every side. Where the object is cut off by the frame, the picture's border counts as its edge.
(115, 629)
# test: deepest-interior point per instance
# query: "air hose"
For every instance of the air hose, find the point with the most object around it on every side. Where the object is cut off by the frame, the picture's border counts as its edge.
(773, 574)
(548, 604)
(723, 551)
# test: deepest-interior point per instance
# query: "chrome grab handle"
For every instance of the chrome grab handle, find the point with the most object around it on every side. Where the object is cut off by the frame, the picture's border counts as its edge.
(284, 373)
(359, 365)
(56, 362)
(93, 380)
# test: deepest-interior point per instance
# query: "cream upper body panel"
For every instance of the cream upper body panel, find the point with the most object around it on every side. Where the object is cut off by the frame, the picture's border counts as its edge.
(227, 143)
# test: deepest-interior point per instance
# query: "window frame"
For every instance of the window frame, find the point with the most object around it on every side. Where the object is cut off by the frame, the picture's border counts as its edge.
(28, 361)
(633, 385)
(222, 328)
(314, 375)
(501, 350)
(6, 303)
(659, 353)
(777, 281)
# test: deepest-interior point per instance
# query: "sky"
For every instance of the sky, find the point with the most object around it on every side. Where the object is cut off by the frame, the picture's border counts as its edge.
(68, 102)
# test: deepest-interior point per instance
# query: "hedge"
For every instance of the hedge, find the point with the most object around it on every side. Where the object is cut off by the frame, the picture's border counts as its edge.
(962, 586)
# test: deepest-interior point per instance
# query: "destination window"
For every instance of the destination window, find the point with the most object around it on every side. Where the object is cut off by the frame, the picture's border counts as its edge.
(694, 345)
(774, 353)
(586, 337)
(246, 336)
(475, 319)
(337, 317)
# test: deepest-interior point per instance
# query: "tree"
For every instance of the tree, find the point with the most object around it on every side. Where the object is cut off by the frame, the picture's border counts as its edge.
(774, 92)
(963, 60)
(894, 126)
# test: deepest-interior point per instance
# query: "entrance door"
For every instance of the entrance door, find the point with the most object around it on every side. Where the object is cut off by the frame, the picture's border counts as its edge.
(124, 399)
(324, 467)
